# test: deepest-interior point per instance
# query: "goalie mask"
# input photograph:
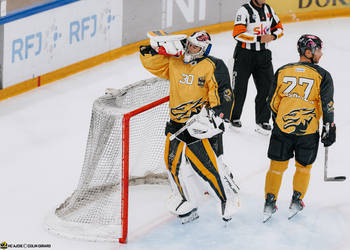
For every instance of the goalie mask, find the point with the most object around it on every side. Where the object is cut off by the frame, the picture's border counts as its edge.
(200, 39)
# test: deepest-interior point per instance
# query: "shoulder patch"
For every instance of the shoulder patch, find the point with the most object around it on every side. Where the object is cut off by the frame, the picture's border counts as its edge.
(228, 95)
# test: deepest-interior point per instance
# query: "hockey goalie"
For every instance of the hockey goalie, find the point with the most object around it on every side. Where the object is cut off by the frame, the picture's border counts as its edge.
(200, 99)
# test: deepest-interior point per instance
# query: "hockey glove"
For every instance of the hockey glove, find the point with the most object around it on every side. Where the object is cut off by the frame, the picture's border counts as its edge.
(328, 134)
(204, 125)
(147, 49)
(165, 44)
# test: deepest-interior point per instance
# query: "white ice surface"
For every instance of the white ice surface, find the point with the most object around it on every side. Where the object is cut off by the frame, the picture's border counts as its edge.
(42, 141)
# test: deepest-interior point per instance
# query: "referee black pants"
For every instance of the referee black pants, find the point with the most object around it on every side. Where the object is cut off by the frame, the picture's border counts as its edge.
(258, 64)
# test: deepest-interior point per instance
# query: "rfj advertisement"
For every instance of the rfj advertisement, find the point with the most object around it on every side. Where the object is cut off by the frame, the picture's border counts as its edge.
(60, 37)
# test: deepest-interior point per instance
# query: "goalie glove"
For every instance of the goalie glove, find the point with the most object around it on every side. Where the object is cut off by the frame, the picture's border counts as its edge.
(205, 124)
(164, 44)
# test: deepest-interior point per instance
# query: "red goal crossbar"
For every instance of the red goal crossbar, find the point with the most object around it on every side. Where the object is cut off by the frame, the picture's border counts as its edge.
(125, 163)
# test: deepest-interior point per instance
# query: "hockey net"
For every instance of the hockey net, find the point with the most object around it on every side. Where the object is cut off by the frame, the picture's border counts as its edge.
(125, 143)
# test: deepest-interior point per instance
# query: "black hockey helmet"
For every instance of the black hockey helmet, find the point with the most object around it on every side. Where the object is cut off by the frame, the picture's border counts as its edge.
(310, 42)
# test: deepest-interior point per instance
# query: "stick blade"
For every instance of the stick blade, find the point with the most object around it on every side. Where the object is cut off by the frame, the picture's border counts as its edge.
(336, 178)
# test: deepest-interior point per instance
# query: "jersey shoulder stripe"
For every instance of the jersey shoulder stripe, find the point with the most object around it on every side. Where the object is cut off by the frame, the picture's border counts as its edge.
(250, 12)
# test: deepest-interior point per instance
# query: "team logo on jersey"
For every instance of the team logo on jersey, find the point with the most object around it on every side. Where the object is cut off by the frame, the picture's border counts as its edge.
(299, 119)
(254, 17)
(227, 95)
(201, 81)
(186, 110)
(239, 18)
(330, 107)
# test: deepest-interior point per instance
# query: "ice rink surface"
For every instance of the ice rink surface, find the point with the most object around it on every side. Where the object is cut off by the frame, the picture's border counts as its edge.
(42, 142)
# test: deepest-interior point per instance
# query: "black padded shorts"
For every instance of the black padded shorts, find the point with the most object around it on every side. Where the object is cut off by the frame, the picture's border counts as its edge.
(283, 147)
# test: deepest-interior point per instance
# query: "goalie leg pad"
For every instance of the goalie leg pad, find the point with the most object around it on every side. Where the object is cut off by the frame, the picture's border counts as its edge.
(216, 143)
(185, 210)
(172, 156)
(182, 202)
(232, 204)
(179, 205)
(203, 160)
(228, 176)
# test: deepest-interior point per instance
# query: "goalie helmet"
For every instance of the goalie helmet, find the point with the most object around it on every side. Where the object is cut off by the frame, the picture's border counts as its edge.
(200, 39)
(309, 42)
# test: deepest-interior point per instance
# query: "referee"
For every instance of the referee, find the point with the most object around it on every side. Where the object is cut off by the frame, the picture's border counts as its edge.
(256, 25)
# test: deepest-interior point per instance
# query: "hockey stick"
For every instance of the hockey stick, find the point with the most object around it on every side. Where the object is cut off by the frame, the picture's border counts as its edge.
(326, 178)
(172, 137)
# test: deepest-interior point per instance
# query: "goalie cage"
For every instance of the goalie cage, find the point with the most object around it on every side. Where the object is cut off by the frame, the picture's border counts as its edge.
(126, 129)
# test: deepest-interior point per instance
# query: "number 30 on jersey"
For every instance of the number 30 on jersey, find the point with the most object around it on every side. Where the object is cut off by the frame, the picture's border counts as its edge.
(187, 79)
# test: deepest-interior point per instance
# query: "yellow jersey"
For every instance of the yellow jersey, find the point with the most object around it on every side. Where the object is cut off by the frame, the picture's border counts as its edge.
(302, 93)
(205, 81)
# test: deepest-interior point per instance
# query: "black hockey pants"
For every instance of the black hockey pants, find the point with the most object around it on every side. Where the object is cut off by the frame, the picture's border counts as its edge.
(258, 64)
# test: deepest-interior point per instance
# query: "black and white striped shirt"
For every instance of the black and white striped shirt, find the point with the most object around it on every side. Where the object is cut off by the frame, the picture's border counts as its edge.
(252, 22)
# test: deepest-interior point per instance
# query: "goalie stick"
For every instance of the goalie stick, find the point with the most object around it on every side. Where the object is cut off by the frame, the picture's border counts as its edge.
(326, 178)
(172, 137)
(162, 36)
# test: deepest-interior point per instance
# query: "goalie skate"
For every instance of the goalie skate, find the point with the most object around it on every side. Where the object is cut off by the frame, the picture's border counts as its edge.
(188, 217)
(185, 210)
(230, 207)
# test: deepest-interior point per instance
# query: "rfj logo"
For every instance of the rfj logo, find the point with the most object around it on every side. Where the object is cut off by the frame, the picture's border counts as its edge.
(79, 30)
(190, 10)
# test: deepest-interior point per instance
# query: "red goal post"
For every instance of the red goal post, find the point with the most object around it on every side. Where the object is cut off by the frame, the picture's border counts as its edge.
(125, 146)
(125, 178)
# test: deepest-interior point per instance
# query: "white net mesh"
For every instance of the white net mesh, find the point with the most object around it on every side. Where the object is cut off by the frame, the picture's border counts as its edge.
(93, 211)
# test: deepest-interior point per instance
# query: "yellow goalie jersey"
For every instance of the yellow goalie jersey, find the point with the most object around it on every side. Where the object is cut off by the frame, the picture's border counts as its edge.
(192, 85)
(302, 93)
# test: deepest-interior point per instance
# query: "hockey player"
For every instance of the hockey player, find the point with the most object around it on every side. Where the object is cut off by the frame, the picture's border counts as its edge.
(302, 93)
(200, 97)
(256, 25)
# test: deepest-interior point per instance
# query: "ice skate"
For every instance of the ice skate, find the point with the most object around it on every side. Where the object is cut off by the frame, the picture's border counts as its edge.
(236, 124)
(270, 207)
(296, 205)
(263, 128)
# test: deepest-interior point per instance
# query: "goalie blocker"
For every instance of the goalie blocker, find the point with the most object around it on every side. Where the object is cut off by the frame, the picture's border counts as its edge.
(165, 44)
